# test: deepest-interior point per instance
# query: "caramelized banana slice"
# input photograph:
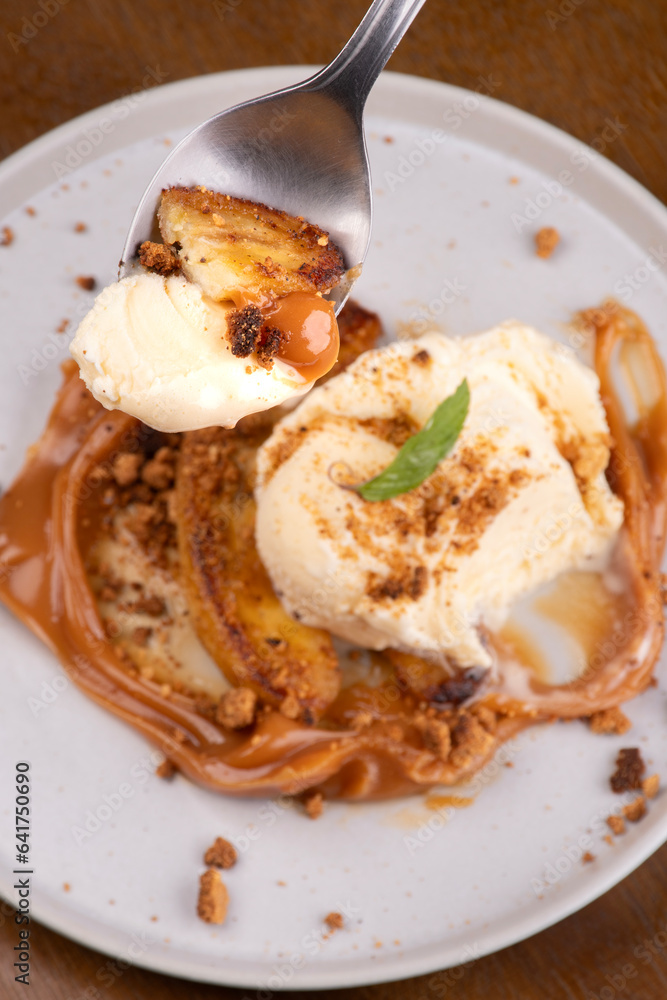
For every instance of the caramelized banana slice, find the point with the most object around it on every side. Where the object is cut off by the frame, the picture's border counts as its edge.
(229, 245)
(236, 613)
(441, 686)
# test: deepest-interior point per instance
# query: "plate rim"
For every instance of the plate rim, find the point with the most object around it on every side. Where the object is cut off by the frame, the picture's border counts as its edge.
(14, 173)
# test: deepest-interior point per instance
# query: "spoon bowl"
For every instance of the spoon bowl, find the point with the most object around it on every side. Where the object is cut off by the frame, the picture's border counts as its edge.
(301, 149)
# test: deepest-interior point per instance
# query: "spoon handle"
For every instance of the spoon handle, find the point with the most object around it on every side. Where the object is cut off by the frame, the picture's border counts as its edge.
(350, 76)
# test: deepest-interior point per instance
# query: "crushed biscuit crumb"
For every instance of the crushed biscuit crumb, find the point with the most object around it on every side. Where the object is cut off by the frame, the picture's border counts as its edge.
(213, 898)
(651, 785)
(437, 738)
(141, 635)
(609, 720)
(86, 282)
(236, 708)
(80, 227)
(546, 241)
(616, 824)
(313, 804)
(486, 716)
(629, 770)
(243, 327)
(361, 719)
(470, 740)
(142, 520)
(334, 921)
(125, 467)
(158, 258)
(166, 770)
(290, 707)
(149, 605)
(158, 472)
(587, 858)
(221, 854)
(7, 237)
(271, 340)
(635, 809)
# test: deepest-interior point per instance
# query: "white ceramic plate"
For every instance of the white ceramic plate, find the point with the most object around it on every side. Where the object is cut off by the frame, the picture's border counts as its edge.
(420, 893)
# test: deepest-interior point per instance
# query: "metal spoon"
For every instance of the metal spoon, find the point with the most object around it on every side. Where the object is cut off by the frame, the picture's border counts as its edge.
(300, 149)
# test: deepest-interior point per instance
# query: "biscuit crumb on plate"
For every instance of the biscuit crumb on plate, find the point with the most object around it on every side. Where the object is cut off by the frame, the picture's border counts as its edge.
(313, 804)
(616, 824)
(221, 854)
(609, 720)
(334, 921)
(635, 810)
(546, 241)
(629, 770)
(213, 898)
(651, 785)
(165, 770)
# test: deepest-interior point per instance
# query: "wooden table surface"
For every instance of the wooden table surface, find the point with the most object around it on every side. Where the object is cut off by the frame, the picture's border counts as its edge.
(572, 62)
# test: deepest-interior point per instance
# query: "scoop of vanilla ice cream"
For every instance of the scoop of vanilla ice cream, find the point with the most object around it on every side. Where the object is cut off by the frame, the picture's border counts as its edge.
(521, 497)
(157, 349)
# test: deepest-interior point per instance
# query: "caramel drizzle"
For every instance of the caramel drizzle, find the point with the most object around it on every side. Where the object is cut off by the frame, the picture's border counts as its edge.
(43, 580)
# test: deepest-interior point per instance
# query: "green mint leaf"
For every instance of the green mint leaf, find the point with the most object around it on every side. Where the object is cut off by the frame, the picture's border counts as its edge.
(420, 455)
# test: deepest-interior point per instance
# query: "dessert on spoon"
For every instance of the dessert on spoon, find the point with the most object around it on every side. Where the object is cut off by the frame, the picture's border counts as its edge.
(234, 272)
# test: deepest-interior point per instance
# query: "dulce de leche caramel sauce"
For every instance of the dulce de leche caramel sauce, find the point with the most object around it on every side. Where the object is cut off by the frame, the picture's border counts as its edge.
(45, 538)
(309, 323)
(312, 333)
